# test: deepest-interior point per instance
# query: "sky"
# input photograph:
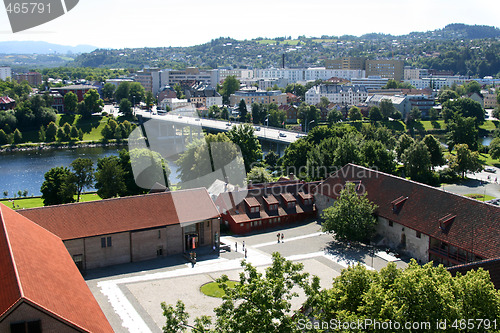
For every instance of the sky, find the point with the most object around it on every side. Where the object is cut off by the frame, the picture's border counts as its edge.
(154, 23)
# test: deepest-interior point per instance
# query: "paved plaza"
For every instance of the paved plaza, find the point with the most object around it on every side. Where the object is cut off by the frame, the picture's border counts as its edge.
(130, 295)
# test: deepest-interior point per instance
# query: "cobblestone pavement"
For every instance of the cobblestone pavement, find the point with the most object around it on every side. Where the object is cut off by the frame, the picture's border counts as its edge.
(130, 294)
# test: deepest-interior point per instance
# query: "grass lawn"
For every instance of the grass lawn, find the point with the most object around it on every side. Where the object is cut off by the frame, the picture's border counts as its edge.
(212, 288)
(480, 197)
(432, 125)
(38, 201)
(487, 160)
(490, 125)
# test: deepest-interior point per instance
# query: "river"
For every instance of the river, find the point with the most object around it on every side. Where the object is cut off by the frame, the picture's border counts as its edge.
(25, 170)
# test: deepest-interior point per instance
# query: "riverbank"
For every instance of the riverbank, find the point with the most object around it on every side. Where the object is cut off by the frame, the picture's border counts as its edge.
(60, 145)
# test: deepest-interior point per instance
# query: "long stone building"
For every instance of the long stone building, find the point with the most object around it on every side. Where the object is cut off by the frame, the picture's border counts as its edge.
(422, 221)
(121, 230)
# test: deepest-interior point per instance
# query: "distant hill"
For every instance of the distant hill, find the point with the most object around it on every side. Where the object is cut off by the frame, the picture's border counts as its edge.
(18, 47)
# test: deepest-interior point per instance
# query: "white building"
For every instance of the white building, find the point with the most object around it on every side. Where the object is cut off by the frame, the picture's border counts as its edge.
(169, 77)
(175, 103)
(294, 75)
(240, 74)
(371, 82)
(346, 95)
(438, 82)
(401, 103)
(116, 82)
(414, 73)
(5, 72)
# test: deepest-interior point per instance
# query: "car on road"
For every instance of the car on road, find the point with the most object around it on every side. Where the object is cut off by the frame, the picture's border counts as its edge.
(490, 169)
(180, 117)
(197, 119)
(299, 135)
(283, 135)
(257, 128)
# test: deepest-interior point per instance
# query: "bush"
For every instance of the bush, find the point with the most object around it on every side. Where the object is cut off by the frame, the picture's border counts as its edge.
(447, 176)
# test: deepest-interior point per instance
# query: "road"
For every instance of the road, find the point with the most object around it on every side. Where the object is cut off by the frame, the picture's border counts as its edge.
(262, 132)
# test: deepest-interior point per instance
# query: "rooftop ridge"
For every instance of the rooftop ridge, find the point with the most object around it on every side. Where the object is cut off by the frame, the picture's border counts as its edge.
(11, 255)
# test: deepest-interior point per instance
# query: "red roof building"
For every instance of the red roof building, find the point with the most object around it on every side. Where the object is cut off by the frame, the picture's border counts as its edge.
(41, 288)
(268, 205)
(120, 230)
(7, 103)
(423, 221)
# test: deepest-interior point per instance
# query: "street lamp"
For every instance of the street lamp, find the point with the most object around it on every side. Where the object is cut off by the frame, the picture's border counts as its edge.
(266, 121)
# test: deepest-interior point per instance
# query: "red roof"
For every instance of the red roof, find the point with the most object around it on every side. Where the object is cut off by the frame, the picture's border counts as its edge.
(475, 227)
(490, 265)
(6, 100)
(86, 219)
(36, 268)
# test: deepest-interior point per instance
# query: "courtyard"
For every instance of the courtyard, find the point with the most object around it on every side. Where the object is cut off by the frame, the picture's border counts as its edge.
(130, 295)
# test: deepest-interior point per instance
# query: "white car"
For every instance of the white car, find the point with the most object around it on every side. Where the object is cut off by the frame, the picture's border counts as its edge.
(490, 169)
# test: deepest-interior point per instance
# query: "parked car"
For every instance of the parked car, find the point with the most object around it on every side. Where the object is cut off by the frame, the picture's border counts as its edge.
(257, 128)
(283, 135)
(490, 169)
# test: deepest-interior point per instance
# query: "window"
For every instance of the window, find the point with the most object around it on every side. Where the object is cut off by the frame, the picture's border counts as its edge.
(26, 327)
(109, 242)
(159, 233)
(390, 223)
(419, 235)
(103, 242)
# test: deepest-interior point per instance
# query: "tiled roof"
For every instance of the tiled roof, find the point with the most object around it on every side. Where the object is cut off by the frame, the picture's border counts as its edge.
(490, 265)
(86, 219)
(36, 268)
(260, 195)
(475, 227)
(6, 100)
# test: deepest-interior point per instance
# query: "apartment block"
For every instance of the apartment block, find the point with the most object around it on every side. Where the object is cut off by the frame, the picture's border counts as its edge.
(345, 95)
(390, 69)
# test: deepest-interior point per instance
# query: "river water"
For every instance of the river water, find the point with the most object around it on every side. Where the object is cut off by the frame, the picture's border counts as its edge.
(25, 170)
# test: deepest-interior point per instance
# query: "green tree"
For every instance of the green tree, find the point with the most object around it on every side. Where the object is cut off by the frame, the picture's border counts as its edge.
(434, 148)
(149, 100)
(494, 149)
(258, 175)
(51, 132)
(70, 102)
(122, 91)
(308, 116)
(462, 130)
(3, 138)
(465, 107)
(323, 102)
(92, 103)
(242, 109)
(125, 106)
(83, 171)
(375, 114)
(386, 108)
(244, 137)
(350, 218)
(108, 91)
(18, 137)
(404, 142)
(271, 159)
(417, 162)
(80, 134)
(447, 94)
(375, 155)
(136, 93)
(41, 134)
(109, 177)
(355, 114)
(58, 186)
(334, 116)
(74, 132)
(295, 157)
(229, 86)
(464, 160)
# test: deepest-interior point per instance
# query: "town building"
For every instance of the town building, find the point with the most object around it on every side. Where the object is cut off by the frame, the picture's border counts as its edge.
(291, 113)
(338, 94)
(269, 205)
(7, 103)
(57, 100)
(349, 63)
(239, 74)
(204, 96)
(121, 230)
(149, 78)
(414, 73)
(34, 78)
(5, 72)
(258, 96)
(385, 68)
(401, 103)
(116, 82)
(170, 77)
(425, 222)
(372, 82)
(293, 75)
(41, 288)
(490, 98)
(438, 82)
(78, 89)
(476, 98)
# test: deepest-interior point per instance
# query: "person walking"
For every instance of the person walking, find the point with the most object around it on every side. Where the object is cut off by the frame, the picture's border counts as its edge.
(236, 246)
(278, 237)
(245, 253)
(243, 245)
(282, 236)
